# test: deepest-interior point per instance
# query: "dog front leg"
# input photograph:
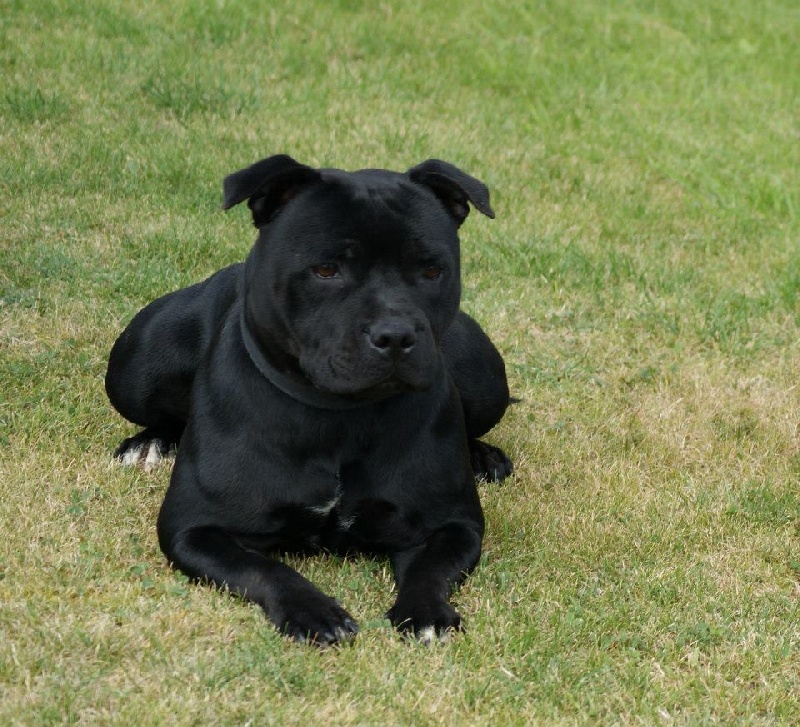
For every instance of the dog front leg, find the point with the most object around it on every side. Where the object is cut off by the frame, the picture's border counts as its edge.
(295, 606)
(425, 576)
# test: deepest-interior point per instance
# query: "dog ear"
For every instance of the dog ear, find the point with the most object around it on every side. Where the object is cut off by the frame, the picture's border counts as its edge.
(267, 186)
(453, 187)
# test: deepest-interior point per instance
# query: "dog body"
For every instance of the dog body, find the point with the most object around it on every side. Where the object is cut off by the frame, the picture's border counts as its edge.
(327, 393)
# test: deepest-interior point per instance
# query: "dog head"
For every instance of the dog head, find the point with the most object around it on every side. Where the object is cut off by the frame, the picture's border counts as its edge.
(355, 276)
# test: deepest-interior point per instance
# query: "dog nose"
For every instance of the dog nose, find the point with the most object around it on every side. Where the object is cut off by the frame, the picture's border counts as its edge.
(392, 336)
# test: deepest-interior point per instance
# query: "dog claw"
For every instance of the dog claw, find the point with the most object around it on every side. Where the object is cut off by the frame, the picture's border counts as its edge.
(329, 636)
(348, 633)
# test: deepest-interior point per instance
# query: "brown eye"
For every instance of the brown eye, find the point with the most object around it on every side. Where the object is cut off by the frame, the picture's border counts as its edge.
(431, 272)
(326, 270)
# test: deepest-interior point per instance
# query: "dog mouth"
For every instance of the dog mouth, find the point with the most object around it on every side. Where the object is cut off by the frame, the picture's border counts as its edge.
(389, 386)
(357, 384)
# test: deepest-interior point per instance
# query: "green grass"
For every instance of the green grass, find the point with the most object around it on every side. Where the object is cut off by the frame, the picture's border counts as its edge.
(641, 279)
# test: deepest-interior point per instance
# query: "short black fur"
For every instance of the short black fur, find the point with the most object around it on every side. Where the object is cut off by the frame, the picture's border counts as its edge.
(325, 394)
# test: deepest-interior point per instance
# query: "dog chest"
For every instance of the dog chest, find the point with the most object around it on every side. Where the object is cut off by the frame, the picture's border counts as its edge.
(340, 508)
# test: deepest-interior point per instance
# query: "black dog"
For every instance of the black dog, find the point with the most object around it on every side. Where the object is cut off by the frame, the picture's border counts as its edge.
(327, 393)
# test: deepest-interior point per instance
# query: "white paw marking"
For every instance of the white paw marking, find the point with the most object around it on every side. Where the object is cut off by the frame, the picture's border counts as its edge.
(152, 458)
(147, 455)
(132, 456)
(427, 635)
(326, 508)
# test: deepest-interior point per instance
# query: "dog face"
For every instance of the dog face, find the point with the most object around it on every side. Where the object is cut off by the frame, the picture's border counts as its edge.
(355, 276)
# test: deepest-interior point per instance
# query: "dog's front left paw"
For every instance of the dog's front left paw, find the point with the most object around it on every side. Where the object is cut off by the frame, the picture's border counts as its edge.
(425, 619)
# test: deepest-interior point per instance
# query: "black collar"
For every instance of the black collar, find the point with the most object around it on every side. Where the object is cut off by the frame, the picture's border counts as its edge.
(297, 390)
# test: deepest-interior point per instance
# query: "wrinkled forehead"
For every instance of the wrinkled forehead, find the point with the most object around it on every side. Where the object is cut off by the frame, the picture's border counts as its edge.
(374, 202)
(377, 190)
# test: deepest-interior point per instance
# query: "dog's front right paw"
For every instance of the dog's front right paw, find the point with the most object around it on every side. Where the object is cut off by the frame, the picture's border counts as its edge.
(316, 619)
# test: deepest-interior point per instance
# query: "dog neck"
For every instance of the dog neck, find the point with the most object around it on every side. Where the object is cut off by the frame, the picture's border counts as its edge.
(295, 389)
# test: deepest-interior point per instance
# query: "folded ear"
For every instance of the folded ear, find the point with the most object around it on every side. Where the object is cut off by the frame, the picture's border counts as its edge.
(453, 187)
(267, 185)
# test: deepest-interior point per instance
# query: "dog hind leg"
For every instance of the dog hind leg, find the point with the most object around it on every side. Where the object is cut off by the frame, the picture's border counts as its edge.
(489, 463)
(149, 448)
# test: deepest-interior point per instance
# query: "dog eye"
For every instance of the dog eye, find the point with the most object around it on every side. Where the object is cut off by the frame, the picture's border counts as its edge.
(326, 270)
(431, 272)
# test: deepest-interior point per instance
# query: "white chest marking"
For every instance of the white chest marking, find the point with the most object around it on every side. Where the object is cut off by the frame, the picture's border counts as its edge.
(328, 506)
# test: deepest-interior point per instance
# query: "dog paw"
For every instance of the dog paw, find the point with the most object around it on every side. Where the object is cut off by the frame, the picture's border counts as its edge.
(427, 621)
(488, 462)
(320, 621)
(146, 449)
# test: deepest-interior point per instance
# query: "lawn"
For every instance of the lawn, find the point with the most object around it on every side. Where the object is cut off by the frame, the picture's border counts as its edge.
(641, 279)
